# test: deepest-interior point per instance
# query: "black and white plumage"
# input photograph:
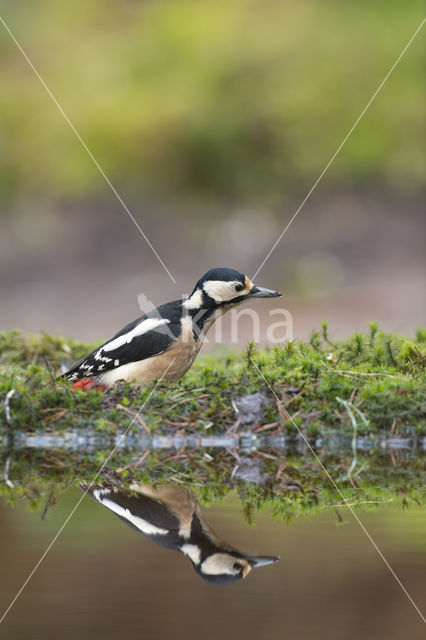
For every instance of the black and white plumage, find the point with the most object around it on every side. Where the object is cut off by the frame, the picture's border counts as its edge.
(164, 342)
(171, 517)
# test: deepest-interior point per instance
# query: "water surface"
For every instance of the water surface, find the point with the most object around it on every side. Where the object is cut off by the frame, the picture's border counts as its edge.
(102, 580)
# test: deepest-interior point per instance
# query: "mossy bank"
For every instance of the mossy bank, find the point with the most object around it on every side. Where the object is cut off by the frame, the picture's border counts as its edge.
(374, 379)
(349, 399)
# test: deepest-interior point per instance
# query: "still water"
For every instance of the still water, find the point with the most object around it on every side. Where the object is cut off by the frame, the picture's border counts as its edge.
(101, 579)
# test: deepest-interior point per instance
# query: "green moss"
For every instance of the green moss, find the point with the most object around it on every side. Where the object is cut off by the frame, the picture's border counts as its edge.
(292, 486)
(380, 374)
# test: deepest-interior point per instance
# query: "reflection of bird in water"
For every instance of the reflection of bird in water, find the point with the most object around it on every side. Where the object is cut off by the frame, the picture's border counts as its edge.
(164, 342)
(171, 517)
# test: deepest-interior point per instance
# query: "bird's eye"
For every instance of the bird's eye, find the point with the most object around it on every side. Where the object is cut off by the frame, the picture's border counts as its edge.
(239, 286)
(236, 566)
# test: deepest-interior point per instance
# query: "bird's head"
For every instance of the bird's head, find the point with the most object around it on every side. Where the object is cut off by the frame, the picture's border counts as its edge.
(226, 287)
(222, 567)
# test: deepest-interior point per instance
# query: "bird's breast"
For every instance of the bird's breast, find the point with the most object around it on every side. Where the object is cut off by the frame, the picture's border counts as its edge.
(169, 365)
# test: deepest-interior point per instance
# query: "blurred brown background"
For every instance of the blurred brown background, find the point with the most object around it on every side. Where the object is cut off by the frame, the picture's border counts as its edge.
(212, 120)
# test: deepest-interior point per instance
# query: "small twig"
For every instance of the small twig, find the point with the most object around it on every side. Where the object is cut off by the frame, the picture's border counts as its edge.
(55, 463)
(295, 397)
(358, 373)
(48, 502)
(339, 517)
(390, 352)
(280, 469)
(7, 405)
(283, 413)
(193, 419)
(49, 370)
(346, 375)
(176, 456)
(350, 409)
(203, 395)
(265, 427)
(234, 427)
(140, 460)
(235, 454)
(134, 415)
(56, 416)
(362, 467)
(193, 484)
(265, 455)
(353, 394)
(354, 504)
(6, 474)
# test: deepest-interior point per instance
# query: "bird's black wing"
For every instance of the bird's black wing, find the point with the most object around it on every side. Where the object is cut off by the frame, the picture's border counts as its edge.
(147, 336)
(144, 514)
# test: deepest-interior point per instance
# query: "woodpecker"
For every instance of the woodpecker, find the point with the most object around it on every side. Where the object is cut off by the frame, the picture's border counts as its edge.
(163, 343)
(171, 517)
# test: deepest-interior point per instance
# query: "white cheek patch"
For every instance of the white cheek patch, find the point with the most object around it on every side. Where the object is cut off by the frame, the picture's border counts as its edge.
(193, 552)
(221, 291)
(143, 525)
(140, 329)
(219, 564)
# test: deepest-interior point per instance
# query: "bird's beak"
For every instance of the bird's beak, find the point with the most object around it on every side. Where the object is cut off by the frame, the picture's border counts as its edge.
(262, 561)
(261, 292)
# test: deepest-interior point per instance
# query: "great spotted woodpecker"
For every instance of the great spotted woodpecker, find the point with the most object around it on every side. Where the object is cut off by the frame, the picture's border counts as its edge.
(164, 342)
(171, 517)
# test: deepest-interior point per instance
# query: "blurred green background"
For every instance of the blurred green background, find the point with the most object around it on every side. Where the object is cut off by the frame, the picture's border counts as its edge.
(212, 119)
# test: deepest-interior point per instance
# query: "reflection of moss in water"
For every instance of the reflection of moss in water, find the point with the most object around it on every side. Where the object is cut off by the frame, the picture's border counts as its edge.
(290, 486)
(368, 386)
(379, 374)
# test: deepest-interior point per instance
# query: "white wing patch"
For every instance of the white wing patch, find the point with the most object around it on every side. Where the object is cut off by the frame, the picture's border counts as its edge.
(143, 525)
(143, 327)
(99, 356)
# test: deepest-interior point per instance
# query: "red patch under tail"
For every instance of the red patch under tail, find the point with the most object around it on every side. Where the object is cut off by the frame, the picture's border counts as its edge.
(88, 383)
